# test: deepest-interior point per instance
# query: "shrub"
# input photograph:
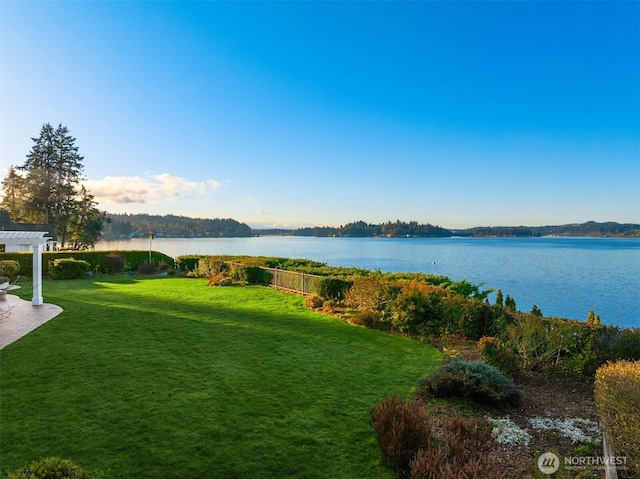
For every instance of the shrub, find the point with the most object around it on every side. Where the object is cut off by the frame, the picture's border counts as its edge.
(493, 351)
(332, 288)
(476, 380)
(187, 262)
(463, 453)
(68, 268)
(257, 275)
(402, 429)
(417, 310)
(114, 263)
(539, 341)
(146, 268)
(10, 268)
(371, 320)
(366, 294)
(313, 302)
(96, 259)
(52, 468)
(211, 266)
(617, 395)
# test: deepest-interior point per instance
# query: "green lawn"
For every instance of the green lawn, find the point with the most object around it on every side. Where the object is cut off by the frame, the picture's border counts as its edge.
(168, 378)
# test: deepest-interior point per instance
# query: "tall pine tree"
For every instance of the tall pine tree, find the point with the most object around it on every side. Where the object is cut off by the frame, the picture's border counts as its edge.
(50, 191)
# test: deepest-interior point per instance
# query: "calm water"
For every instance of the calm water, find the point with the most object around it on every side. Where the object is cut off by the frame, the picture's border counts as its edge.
(565, 277)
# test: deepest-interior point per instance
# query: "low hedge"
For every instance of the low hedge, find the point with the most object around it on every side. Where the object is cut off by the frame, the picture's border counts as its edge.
(97, 260)
(617, 395)
(68, 268)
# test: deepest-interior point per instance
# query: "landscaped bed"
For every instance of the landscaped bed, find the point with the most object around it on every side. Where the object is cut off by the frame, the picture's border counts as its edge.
(165, 377)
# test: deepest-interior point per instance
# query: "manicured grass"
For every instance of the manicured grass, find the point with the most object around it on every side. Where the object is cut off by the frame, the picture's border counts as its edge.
(168, 378)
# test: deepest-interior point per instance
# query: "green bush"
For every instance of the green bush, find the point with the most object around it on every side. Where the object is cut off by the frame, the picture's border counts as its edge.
(476, 380)
(332, 288)
(68, 268)
(146, 268)
(52, 468)
(187, 262)
(256, 275)
(114, 263)
(617, 395)
(96, 259)
(402, 429)
(10, 268)
(540, 341)
(494, 352)
(417, 310)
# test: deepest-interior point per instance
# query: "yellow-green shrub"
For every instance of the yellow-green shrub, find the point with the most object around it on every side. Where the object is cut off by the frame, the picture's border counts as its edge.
(617, 394)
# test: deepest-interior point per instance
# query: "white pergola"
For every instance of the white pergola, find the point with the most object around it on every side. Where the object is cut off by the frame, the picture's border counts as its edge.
(37, 240)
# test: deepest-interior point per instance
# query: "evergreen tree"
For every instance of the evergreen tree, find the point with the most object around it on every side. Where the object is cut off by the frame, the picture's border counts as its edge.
(536, 311)
(510, 303)
(49, 191)
(593, 319)
(499, 299)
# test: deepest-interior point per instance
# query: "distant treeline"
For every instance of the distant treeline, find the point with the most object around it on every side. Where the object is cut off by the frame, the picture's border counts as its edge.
(139, 225)
(591, 228)
(412, 229)
(118, 226)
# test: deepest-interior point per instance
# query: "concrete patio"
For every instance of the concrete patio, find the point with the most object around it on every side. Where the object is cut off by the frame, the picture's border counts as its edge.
(19, 317)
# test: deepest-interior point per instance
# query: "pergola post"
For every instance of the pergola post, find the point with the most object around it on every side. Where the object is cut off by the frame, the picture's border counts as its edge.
(37, 300)
(37, 240)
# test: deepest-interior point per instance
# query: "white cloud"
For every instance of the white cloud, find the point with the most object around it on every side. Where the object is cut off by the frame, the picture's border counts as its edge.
(138, 189)
(261, 212)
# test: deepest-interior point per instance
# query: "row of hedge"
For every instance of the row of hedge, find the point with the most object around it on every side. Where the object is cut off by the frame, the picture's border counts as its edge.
(98, 260)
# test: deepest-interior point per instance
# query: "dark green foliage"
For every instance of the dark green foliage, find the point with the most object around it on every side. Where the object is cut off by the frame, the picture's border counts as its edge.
(68, 268)
(187, 262)
(256, 275)
(402, 429)
(173, 226)
(493, 351)
(536, 311)
(332, 288)
(114, 263)
(499, 299)
(510, 304)
(52, 468)
(476, 380)
(146, 268)
(10, 268)
(97, 259)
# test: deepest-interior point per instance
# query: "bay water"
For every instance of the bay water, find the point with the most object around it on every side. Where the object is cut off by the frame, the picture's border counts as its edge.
(564, 277)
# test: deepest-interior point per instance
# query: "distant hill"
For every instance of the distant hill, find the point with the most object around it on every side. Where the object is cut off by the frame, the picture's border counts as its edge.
(412, 229)
(590, 228)
(120, 226)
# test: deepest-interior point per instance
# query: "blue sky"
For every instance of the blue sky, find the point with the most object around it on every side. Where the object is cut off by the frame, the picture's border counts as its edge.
(322, 113)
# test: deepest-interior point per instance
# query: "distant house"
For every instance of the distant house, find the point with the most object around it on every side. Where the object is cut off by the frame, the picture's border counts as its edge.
(7, 225)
